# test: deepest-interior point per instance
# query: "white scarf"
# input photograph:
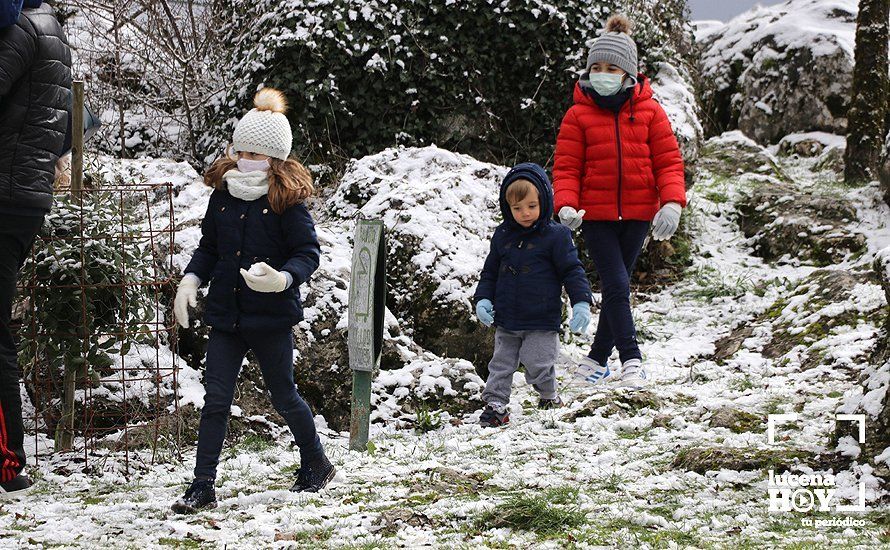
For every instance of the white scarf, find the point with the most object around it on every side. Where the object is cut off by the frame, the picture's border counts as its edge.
(247, 186)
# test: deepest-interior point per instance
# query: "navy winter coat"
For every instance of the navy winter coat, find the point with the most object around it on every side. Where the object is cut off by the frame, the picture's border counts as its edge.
(526, 268)
(238, 233)
(35, 99)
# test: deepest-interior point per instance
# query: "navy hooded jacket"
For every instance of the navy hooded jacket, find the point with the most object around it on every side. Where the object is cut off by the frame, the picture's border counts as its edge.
(527, 268)
(9, 12)
(238, 233)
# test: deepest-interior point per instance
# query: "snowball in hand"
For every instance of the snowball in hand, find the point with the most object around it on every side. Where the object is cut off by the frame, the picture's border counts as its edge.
(256, 270)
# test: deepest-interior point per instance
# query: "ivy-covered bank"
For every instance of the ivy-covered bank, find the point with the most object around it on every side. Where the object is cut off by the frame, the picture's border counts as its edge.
(491, 79)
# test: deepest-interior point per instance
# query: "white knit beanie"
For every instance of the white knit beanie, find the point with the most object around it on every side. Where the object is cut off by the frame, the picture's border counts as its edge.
(615, 46)
(265, 129)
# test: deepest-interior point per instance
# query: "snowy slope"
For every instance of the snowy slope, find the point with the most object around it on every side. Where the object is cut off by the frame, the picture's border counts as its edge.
(609, 463)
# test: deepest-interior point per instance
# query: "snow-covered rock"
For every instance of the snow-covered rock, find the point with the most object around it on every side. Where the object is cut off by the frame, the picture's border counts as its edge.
(439, 209)
(775, 70)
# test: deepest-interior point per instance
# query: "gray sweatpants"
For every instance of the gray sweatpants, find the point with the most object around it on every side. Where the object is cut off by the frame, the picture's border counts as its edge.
(537, 350)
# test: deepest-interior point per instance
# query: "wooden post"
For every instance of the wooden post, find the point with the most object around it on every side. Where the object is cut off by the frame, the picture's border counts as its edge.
(77, 137)
(367, 303)
(360, 422)
(74, 363)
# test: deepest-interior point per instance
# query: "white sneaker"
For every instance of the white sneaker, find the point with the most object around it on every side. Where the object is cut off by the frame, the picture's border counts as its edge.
(633, 375)
(592, 372)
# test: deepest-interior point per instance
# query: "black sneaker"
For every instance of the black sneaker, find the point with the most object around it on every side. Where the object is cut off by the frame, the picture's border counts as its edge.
(313, 476)
(15, 487)
(200, 494)
(547, 404)
(494, 415)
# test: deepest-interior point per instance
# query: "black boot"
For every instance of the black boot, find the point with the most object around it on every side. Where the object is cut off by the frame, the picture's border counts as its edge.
(494, 415)
(546, 404)
(314, 475)
(15, 487)
(200, 494)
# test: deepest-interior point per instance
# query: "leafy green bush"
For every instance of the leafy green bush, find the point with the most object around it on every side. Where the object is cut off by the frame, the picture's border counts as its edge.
(488, 78)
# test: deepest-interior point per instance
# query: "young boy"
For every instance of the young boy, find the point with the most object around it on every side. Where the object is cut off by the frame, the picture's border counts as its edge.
(532, 257)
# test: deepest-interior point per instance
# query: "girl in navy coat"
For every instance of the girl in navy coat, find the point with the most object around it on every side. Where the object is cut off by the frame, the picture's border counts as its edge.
(257, 246)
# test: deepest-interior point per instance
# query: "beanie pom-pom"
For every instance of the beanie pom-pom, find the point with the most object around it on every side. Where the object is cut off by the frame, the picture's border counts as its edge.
(270, 99)
(619, 23)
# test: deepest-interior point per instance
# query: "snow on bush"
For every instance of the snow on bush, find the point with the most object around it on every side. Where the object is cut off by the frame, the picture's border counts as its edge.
(492, 78)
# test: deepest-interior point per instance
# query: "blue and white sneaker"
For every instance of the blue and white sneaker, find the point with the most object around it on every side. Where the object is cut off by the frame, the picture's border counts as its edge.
(592, 372)
(633, 375)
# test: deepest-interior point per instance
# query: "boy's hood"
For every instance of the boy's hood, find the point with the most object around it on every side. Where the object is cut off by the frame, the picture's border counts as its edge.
(535, 174)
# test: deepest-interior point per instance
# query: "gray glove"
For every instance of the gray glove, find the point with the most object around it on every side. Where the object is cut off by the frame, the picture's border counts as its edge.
(665, 223)
(570, 217)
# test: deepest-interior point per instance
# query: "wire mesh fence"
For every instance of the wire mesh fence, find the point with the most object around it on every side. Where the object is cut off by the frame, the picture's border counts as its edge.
(97, 351)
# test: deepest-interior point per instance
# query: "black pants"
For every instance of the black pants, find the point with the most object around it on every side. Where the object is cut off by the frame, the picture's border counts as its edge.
(614, 248)
(275, 353)
(17, 234)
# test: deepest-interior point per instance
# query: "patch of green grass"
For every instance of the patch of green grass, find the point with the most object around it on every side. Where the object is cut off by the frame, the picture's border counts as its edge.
(179, 543)
(253, 443)
(711, 283)
(613, 482)
(741, 383)
(549, 513)
(311, 535)
(835, 394)
(716, 196)
(427, 421)
(423, 499)
(630, 535)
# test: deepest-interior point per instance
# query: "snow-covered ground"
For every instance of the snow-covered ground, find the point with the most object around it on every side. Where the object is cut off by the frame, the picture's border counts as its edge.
(599, 472)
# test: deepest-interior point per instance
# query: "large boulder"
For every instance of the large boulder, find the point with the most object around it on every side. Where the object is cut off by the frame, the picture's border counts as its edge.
(732, 154)
(781, 69)
(787, 223)
(809, 326)
(440, 210)
(872, 397)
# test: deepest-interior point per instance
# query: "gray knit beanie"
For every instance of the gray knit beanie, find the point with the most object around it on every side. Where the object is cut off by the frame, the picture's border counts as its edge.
(615, 46)
(265, 129)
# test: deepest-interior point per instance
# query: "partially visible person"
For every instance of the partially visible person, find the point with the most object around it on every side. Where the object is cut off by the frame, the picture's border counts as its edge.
(35, 90)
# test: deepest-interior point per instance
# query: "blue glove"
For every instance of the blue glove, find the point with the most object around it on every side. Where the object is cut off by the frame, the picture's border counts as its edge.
(580, 317)
(485, 312)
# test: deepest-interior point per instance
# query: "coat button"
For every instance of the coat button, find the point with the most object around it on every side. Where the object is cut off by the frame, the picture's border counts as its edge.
(265, 210)
(238, 253)
(243, 216)
(222, 208)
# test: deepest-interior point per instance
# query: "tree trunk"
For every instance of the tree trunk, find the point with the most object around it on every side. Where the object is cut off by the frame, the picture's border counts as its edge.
(865, 120)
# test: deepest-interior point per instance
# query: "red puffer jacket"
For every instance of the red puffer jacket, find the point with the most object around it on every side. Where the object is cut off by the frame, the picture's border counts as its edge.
(617, 166)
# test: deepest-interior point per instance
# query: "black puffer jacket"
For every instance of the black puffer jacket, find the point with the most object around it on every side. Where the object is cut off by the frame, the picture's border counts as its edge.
(35, 90)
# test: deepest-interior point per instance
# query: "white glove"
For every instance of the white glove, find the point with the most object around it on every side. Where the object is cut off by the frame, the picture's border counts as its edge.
(666, 221)
(264, 278)
(186, 295)
(570, 217)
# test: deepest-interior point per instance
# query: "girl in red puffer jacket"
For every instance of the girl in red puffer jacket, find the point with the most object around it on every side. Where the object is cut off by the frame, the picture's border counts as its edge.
(617, 170)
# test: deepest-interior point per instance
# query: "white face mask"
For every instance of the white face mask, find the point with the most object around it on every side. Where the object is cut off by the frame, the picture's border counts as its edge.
(606, 83)
(249, 165)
